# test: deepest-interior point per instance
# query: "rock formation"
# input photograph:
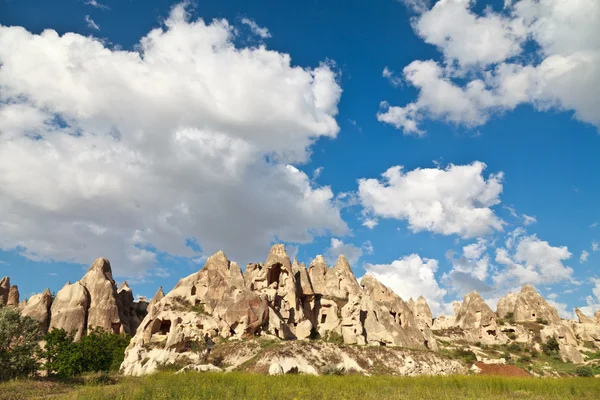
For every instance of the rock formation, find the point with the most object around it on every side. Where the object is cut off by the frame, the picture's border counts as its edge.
(423, 312)
(69, 309)
(38, 308)
(527, 305)
(583, 319)
(13, 296)
(478, 321)
(277, 298)
(4, 290)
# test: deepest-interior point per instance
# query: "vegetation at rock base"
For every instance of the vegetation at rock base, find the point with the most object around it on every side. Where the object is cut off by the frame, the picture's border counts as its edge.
(95, 352)
(18, 344)
(166, 385)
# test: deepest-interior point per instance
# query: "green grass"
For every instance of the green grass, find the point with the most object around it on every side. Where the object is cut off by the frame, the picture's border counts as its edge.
(165, 385)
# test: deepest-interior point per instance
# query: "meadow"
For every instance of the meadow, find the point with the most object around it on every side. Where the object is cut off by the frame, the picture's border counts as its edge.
(167, 385)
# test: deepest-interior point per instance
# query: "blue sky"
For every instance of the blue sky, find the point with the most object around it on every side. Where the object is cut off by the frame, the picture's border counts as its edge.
(157, 152)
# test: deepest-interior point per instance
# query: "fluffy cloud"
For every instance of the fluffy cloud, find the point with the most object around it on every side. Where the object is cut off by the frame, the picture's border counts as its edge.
(470, 270)
(126, 154)
(91, 24)
(338, 247)
(256, 29)
(487, 70)
(411, 276)
(584, 256)
(454, 200)
(532, 261)
(595, 246)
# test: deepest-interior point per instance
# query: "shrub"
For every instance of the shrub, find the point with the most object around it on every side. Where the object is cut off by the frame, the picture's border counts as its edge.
(525, 359)
(332, 369)
(511, 335)
(541, 320)
(466, 355)
(515, 347)
(551, 347)
(18, 344)
(95, 352)
(510, 317)
(585, 371)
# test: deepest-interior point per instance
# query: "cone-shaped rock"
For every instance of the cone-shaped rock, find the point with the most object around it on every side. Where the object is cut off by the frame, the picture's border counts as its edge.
(104, 307)
(506, 304)
(303, 284)
(317, 272)
(340, 280)
(4, 289)
(13, 296)
(423, 312)
(126, 309)
(69, 309)
(158, 296)
(530, 306)
(38, 308)
(474, 312)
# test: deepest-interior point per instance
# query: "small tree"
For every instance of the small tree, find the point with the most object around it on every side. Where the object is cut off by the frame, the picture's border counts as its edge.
(18, 344)
(551, 347)
(97, 351)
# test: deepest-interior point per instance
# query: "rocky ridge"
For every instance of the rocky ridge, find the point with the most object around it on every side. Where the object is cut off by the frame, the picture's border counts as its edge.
(281, 300)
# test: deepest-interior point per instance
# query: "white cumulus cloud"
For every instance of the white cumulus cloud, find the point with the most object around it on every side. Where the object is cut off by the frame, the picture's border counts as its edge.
(338, 247)
(455, 200)
(487, 69)
(412, 276)
(126, 154)
(256, 29)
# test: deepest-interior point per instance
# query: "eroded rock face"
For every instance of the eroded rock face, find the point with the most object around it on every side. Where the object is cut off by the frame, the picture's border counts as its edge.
(4, 289)
(423, 312)
(478, 321)
(528, 305)
(105, 308)
(13, 296)
(583, 319)
(276, 298)
(38, 308)
(69, 309)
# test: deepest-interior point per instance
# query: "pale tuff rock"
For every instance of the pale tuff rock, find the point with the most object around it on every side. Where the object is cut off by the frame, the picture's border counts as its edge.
(93, 302)
(127, 313)
(69, 309)
(104, 311)
(474, 313)
(275, 299)
(566, 339)
(443, 322)
(506, 304)
(456, 305)
(597, 316)
(4, 290)
(583, 319)
(527, 305)
(317, 272)
(38, 308)
(13, 296)
(478, 321)
(340, 280)
(303, 284)
(423, 312)
(158, 296)
(388, 319)
(275, 369)
(199, 368)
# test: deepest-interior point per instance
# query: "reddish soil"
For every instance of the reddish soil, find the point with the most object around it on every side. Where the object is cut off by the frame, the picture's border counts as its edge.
(501, 369)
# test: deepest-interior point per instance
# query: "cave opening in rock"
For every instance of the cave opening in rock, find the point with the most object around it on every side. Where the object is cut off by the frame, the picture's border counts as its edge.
(193, 290)
(323, 318)
(273, 274)
(165, 327)
(116, 328)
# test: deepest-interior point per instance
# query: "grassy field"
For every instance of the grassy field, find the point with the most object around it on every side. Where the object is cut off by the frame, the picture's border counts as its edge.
(166, 385)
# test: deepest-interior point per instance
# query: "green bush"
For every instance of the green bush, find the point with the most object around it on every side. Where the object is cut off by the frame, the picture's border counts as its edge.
(466, 355)
(585, 371)
(551, 347)
(18, 344)
(510, 317)
(541, 320)
(98, 351)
